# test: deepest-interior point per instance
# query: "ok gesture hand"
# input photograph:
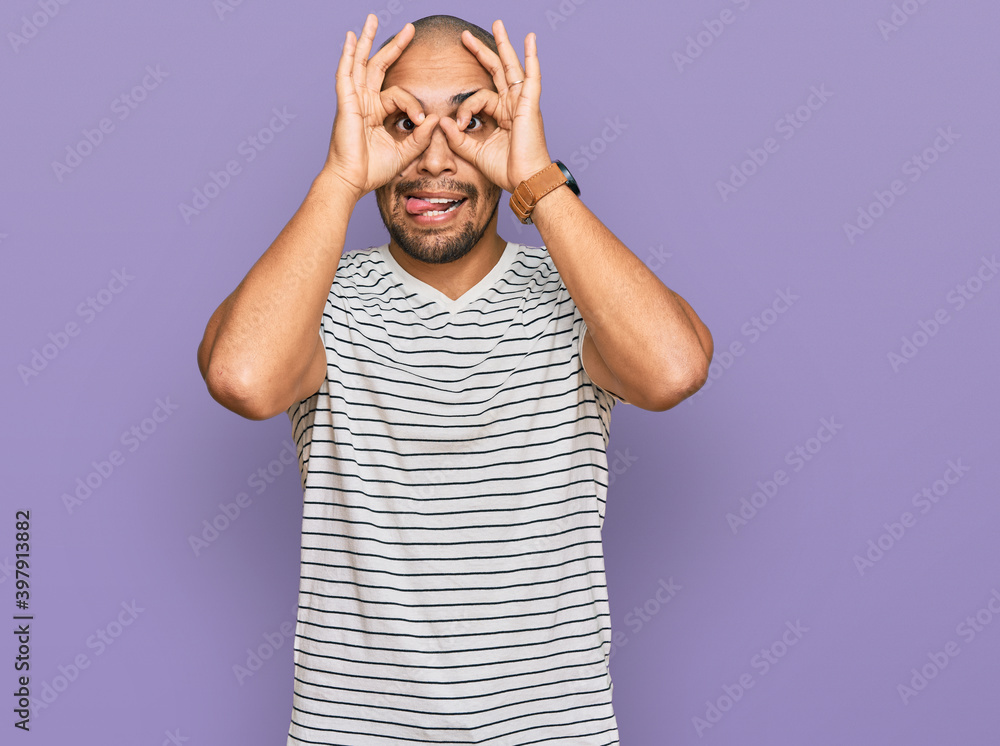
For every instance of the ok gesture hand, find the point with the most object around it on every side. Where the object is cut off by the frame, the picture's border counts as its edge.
(362, 153)
(516, 149)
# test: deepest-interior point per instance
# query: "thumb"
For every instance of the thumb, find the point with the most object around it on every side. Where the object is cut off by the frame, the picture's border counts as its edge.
(419, 139)
(458, 141)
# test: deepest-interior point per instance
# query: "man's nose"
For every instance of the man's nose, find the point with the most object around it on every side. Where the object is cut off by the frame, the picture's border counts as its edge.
(438, 157)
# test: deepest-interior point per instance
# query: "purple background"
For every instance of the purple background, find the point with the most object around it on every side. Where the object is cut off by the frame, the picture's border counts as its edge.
(680, 129)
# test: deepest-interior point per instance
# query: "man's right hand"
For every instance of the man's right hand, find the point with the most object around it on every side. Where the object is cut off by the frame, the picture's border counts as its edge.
(261, 351)
(364, 155)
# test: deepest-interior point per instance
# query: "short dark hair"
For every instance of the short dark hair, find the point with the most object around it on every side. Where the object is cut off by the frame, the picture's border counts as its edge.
(433, 26)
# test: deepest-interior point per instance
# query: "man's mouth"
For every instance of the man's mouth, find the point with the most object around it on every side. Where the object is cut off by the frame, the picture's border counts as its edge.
(431, 206)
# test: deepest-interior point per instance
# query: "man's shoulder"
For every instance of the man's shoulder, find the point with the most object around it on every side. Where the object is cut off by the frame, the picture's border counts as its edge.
(360, 269)
(535, 262)
(356, 259)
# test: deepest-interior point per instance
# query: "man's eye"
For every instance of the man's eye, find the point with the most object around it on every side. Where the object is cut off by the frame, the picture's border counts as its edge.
(475, 123)
(406, 124)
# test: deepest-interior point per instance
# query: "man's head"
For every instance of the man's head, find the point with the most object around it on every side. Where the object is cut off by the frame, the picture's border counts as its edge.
(447, 29)
(440, 72)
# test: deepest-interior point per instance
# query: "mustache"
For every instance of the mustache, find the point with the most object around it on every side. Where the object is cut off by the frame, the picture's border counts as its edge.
(426, 185)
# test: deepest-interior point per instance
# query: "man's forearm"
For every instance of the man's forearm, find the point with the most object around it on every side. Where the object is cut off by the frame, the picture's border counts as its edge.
(261, 338)
(649, 337)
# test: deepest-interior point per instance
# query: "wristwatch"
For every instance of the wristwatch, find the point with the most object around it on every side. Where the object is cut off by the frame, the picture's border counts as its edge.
(528, 192)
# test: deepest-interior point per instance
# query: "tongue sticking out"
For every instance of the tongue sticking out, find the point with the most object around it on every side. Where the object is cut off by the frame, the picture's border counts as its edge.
(417, 206)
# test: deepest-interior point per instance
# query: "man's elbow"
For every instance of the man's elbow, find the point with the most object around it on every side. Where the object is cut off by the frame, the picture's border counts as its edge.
(239, 393)
(674, 396)
(680, 386)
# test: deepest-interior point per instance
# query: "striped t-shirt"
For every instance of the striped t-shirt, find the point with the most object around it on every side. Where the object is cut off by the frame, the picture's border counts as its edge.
(455, 474)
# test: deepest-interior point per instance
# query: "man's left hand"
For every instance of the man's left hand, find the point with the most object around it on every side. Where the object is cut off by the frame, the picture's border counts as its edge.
(515, 150)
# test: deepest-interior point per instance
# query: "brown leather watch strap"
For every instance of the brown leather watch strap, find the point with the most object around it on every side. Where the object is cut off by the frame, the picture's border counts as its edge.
(528, 192)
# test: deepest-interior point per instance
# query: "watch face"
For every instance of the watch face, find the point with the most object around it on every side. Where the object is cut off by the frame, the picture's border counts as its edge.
(570, 181)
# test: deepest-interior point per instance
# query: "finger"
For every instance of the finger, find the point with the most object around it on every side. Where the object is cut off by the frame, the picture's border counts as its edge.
(483, 101)
(345, 85)
(532, 70)
(487, 59)
(418, 140)
(508, 56)
(395, 99)
(388, 54)
(364, 48)
(459, 142)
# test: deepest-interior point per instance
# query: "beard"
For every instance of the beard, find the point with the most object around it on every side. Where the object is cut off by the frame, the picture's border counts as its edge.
(435, 245)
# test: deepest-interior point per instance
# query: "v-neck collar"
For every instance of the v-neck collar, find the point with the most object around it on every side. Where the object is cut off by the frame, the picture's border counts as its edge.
(452, 305)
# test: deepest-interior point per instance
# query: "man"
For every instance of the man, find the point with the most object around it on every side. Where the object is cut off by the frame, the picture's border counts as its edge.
(452, 414)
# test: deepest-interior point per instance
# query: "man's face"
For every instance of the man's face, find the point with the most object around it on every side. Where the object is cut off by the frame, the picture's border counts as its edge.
(440, 76)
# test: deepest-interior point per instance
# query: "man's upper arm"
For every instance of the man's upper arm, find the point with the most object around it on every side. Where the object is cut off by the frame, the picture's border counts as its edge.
(603, 376)
(598, 370)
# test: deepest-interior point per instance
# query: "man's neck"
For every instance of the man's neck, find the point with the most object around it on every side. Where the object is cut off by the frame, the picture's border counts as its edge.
(455, 278)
